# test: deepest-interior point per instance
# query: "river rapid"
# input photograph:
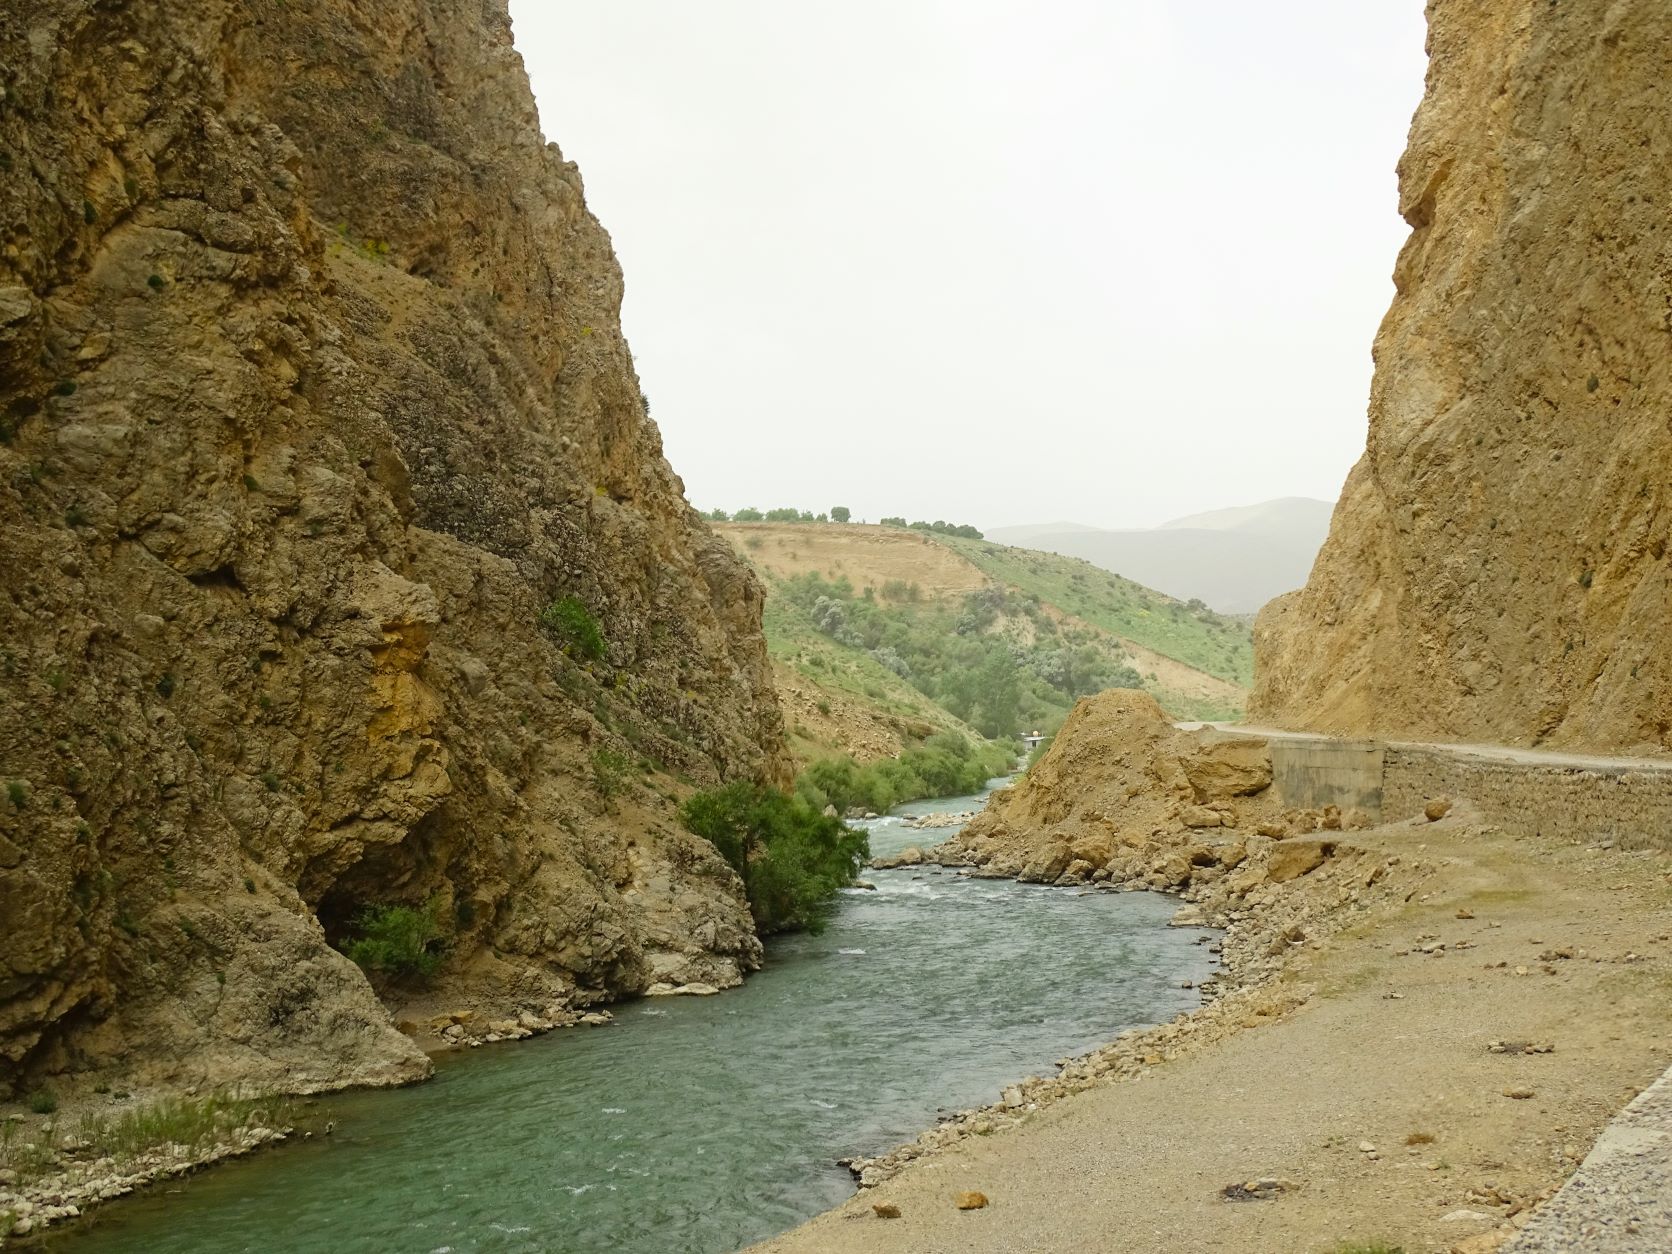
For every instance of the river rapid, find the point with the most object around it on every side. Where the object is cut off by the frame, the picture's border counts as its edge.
(700, 1124)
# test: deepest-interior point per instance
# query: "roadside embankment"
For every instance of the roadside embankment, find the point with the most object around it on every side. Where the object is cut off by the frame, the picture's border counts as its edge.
(1420, 1071)
(1421, 1025)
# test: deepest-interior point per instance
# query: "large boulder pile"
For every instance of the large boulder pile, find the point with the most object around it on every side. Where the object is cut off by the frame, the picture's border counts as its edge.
(1125, 798)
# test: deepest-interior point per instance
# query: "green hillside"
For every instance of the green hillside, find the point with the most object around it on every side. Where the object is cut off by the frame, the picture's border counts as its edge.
(1188, 632)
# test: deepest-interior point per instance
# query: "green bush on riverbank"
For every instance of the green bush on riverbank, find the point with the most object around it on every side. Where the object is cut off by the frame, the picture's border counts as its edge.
(944, 765)
(792, 859)
(400, 942)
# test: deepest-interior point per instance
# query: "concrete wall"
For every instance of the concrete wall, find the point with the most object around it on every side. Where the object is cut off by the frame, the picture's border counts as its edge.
(1583, 800)
(1313, 772)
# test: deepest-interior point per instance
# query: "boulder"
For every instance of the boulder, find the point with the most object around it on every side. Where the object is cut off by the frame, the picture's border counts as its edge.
(1276, 829)
(1290, 859)
(1232, 854)
(1047, 866)
(1437, 809)
(1078, 872)
(1201, 816)
(973, 1200)
(910, 856)
(1095, 849)
(1237, 766)
(1173, 870)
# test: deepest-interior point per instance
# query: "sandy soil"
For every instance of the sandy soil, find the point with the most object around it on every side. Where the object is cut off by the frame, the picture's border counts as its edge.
(866, 555)
(1391, 1050)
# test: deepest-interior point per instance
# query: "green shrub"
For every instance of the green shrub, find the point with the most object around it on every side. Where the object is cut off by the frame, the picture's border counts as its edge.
(792, 859)
(17, 792)
(401, 942)
(43, 1101)
(945, 765)
(576, 630)
(612, 772)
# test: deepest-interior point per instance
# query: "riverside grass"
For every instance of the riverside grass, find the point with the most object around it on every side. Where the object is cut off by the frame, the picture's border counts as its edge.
(129, 1131)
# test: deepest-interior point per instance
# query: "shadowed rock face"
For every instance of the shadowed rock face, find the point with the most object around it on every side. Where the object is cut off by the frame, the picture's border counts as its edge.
(312, 396)
(1497, 565)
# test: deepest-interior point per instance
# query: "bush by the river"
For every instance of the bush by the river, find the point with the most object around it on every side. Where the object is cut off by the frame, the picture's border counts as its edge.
(791, 857)
(945, 765)
(401, 942)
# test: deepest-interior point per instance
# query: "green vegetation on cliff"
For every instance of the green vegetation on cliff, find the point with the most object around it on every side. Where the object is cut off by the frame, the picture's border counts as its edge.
(792, 858)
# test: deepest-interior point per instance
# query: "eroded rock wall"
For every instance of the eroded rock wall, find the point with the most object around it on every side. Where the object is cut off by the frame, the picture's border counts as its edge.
(1497, 567)
(312, 396)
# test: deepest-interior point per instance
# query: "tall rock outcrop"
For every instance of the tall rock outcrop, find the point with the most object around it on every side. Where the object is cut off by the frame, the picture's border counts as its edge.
(1497, 567)
(313, 397)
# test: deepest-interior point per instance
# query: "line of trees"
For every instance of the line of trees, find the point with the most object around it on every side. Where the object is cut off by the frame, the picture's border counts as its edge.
(837, 514)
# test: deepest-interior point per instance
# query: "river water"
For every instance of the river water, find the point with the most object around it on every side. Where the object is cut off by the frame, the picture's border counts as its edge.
(701, 1124)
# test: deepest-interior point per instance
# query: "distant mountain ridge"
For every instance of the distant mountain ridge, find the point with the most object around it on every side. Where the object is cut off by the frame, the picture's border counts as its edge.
(1234, 560)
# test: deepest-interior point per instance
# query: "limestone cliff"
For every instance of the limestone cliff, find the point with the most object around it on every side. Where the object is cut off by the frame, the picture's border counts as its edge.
(312, 397)
(1497, 568)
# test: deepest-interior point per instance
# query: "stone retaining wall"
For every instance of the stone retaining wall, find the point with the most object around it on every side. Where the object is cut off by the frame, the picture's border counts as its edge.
(1631, 806)
(1628, 803)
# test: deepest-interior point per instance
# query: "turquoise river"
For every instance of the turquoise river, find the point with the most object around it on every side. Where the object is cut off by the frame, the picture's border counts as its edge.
(702, 1124)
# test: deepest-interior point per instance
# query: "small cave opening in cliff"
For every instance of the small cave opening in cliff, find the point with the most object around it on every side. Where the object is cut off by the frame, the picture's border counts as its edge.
(404, 874)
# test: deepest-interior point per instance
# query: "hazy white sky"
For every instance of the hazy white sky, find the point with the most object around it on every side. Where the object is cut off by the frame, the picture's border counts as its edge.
(993, 261)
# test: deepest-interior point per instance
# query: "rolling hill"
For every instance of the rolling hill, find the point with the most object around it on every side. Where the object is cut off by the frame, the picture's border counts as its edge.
(881, 635)
(1234, 560)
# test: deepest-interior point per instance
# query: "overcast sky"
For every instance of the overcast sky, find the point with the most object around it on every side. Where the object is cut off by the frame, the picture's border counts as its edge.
(1094, 260)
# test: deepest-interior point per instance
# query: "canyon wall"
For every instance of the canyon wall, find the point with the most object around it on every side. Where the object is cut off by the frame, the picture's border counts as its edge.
(313, 397)
(1497, 567)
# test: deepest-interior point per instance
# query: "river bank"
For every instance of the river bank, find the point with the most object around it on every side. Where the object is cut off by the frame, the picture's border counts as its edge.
(1416, 1043)
(931, 992)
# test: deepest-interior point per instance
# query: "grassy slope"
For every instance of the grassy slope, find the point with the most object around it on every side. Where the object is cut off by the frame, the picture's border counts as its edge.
(862, 691)
(851, 678)
(1214, 643)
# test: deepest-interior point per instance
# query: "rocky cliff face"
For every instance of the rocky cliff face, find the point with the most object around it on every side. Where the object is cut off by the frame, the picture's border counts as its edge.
(1123, 795)
(1497, 567)
(312, 398)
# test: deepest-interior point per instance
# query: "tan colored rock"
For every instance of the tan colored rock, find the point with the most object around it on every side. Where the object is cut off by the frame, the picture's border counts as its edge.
(1096, 849)
(885, 1210)
(972, 1200)
(1496, 569)
(1290, 859)
(1231, 854)
(909, 856)
(1047, 865)
(1117, 772)
(1484, 1242)
(332, 378)
(1437, 809)
(1228, 766)
(1201, 816)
